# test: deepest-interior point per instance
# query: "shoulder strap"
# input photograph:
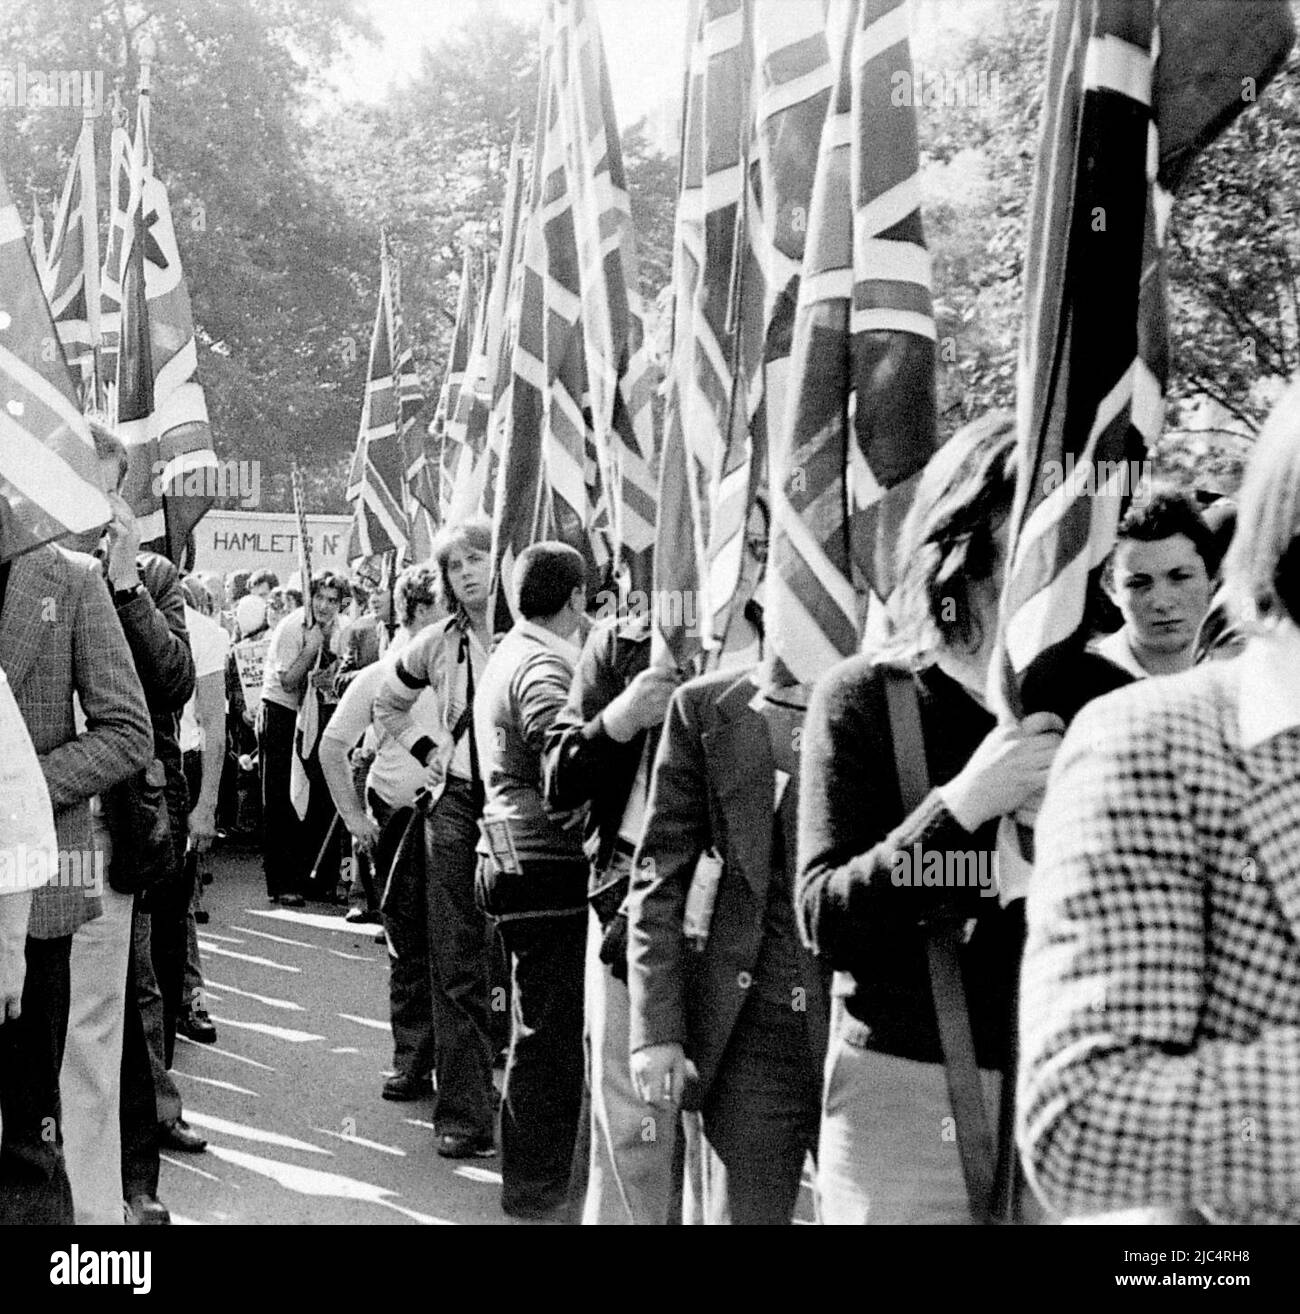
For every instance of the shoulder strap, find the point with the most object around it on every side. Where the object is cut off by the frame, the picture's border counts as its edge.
(965, 1092)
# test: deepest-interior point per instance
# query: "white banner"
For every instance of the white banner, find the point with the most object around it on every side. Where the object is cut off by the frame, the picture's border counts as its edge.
(255, 540)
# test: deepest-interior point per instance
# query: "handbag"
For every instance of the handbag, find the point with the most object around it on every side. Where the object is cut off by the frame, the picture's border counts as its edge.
(139, 826)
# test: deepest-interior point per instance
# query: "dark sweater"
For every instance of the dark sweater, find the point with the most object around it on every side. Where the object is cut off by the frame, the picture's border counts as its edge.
(851, 827)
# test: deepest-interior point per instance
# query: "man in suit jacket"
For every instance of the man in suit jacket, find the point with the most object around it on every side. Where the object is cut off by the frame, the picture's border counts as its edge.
(749, 1010)
(59, 636)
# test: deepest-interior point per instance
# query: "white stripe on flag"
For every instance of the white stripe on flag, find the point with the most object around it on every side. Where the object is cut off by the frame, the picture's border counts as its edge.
(894, 321)
(890, 207)
(1113, 64)
(46, 480)
(11, 227)
(888, 30)
(877, 257)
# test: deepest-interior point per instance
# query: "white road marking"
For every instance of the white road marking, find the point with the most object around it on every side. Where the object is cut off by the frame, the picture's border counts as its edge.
(212, 1081)
(279, 939)
(420, 1122)
(356, 958)
(317, 920)
(311, 1181)
(189, 1167)
(365, 1021)
(345, 1049)
(226, 939)
(361, 1140)
(225, 1053)
(267, 1029)
(209, 948)
(268, 1000)
(479, 1174)
(247, 1133)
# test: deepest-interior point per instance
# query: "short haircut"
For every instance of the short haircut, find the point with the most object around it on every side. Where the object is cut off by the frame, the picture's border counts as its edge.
(1165, 513)
(475, 533)
(108, 446)
(260, 577)
(1261, 569)
(236, 585)
(416, 585)
(947, 542)
(293, 597)
(327, 579)
(545, 576)
(197, 595)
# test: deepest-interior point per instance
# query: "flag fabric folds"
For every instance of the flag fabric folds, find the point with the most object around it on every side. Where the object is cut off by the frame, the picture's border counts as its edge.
(447, 441)
(375, 483)
(1093, 353)
(49, 475)
(859, 424)
(110, 283)
(162, 416)
(621, 376)
(698, 412)
(73, 264)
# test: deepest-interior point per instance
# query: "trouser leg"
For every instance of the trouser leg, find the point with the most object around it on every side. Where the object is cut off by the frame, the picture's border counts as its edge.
(149, 1001)
(410, 1007)
(542, 1099)
(34, 1184)
(457, 937)
(281, 848)
(90, 1081)
(631, 1177)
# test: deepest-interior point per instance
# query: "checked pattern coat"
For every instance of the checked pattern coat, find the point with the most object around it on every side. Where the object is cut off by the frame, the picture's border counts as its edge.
(1160, 1001)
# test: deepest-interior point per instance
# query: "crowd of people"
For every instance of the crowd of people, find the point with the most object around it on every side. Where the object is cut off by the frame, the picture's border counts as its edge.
(970, 968)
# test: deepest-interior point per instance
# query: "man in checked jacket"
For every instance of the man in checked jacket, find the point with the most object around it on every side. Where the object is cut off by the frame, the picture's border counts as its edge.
(59, 637)
(1160, 1000)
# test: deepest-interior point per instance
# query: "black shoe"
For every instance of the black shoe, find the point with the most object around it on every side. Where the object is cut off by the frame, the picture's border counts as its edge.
(197, 1025)
(291, 901)
(179, 1135)
(381, 937)
(201, 916)
(404, 1086)
(461, 1145)
(358, 915)
(147, 1211)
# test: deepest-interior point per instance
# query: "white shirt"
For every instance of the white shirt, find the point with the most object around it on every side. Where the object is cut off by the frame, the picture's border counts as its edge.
(28, 844)
(394, 775)
(210, 645)
(1117, 649)
(1268, 698)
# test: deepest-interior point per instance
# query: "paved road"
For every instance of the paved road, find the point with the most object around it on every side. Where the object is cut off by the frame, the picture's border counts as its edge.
(288, 1097)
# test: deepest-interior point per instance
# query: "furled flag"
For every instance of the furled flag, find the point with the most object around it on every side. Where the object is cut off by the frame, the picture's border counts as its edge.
(162, 416)
(110, 283)
(621, 373)
(502, 333)
(419, 488)
(860, 420)
(49, 475)
(550, 485)
(447, 444)
(73, 264)
(306, 730)
(1128, 102)
(699, 420)
(375, 483)
(514, 490)
(40, 248)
